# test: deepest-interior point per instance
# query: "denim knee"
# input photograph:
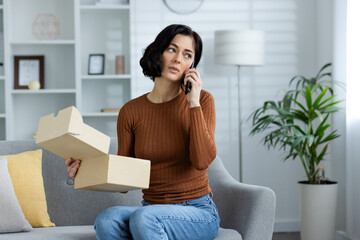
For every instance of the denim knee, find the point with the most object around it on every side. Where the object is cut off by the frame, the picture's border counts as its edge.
(103, 220)
(144, 224)
(107, 227)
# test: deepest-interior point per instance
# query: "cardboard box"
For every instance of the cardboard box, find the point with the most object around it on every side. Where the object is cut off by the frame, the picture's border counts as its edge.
(66, 135)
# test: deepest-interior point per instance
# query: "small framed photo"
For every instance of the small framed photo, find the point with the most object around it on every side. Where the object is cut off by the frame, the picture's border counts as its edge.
(27, 69)
(96, 64)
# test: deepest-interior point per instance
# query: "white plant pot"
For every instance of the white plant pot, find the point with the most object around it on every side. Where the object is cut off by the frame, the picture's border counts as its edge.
(318, 210)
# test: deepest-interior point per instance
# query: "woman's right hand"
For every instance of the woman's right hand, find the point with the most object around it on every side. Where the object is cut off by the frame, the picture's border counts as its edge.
(73, 166)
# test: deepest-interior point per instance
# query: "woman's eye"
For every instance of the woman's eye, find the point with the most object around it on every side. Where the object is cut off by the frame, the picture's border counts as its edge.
(188, 56)
(171, 50)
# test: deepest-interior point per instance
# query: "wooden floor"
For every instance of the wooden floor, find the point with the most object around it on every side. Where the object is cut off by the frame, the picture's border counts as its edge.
(286, 236)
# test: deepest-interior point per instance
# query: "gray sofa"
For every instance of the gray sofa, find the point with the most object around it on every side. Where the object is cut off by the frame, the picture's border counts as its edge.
(246, 211)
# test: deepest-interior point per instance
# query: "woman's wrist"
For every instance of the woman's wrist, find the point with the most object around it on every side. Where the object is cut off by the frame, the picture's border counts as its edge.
(194, 104)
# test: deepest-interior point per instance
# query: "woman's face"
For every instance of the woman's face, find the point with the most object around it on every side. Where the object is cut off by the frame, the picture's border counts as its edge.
(178, 57)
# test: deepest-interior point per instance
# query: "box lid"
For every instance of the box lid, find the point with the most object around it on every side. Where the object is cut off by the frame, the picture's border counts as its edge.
(66, 135)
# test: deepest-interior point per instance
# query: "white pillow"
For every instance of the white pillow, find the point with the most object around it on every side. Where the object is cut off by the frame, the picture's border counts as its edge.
(12, 218)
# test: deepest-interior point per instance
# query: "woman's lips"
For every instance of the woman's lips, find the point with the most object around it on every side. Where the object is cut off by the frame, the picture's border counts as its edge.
(174, 69)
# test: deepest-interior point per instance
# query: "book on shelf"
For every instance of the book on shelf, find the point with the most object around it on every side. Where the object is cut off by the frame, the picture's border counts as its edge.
(108, 110)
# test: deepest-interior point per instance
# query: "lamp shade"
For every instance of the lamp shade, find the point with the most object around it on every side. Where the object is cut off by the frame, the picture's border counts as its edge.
(240, 47)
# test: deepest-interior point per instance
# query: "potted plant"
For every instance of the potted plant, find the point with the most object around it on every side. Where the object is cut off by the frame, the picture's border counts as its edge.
(299, 125)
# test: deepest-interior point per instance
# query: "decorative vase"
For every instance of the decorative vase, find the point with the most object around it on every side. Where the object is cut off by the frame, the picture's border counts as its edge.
(46, 27)
(120, 64)
(318, 210)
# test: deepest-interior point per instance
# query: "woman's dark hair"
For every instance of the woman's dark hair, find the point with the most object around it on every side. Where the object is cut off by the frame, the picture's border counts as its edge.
(151, 60)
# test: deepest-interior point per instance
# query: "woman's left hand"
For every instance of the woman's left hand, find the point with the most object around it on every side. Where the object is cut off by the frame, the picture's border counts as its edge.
(193, 97)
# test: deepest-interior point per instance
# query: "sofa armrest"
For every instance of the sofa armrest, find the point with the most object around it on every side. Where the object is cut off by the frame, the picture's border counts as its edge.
(249, 209)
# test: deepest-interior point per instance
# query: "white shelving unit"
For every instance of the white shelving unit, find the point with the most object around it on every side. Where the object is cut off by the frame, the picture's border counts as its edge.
(85, 28)
(122, 76)
(43, 91)
(106, 7)
(44, 42)
(2, 76)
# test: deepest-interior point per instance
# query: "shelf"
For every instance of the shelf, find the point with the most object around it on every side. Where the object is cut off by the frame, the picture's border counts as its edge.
(119, 76)
(59, 69)
(43, 42)
(101, 114)
(2, 78)
(2, 115)
(104, 7)
(43, 91)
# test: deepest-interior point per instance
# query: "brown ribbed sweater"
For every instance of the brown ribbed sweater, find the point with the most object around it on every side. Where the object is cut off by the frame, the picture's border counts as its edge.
(178, 140)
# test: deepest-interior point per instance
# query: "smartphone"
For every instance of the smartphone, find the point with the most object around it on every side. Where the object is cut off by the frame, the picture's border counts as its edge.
(188, 84)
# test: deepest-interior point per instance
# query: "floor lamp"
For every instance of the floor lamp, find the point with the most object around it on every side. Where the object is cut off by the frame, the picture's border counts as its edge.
(240, 48)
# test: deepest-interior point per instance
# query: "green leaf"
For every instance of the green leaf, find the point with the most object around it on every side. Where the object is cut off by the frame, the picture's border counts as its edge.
(322, 69)
(329, 105)
(323, 121)
(298, 128)
(287, 100)
(330, 110)
(324, 75)
(311, 139)
(319, 114)
(317, 100)
(321, 129)
(296, 143)
(291, 81)
(326, 100)
(320, 157)
(300, 105)
(308, 97)
(301, 116)
(330, 137)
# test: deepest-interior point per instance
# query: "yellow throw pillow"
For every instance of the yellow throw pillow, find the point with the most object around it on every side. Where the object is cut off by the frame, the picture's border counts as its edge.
(26, 175)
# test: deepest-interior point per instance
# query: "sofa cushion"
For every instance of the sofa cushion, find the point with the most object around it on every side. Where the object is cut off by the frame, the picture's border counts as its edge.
(87, 233)
(228, 234)
(12, 218)
(69, 233)
(26, 176)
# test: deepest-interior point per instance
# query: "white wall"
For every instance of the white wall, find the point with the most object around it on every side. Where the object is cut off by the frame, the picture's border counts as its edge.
(298, 41)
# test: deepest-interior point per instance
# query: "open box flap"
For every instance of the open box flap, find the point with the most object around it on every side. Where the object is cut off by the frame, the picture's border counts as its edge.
(67, 135)
(68, 120)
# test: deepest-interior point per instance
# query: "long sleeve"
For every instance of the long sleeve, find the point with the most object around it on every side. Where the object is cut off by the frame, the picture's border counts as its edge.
(125, 134)
(202, 133)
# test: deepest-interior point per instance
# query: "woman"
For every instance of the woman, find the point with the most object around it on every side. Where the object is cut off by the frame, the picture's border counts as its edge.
(175, 131)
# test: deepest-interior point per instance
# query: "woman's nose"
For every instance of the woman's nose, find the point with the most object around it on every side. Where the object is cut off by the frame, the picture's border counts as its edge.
(177, 58)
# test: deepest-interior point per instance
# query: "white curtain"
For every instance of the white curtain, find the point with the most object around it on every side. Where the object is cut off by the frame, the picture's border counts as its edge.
(353, 119)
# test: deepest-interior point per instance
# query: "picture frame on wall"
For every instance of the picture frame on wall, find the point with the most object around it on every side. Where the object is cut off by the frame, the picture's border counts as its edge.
(96, 64)
(28, 69)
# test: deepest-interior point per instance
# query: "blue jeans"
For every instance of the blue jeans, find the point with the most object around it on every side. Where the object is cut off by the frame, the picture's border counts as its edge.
(194, 219)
